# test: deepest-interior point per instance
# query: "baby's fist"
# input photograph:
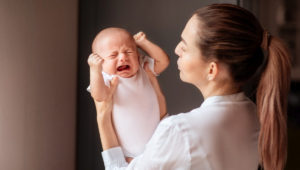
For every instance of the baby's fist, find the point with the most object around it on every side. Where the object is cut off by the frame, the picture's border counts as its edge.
(95, 61)
(139, 37)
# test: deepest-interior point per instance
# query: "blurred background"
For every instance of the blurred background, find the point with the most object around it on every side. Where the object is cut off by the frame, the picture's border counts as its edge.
(47, 118)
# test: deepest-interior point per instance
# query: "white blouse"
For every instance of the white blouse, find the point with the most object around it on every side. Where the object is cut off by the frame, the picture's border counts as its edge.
(222, 134)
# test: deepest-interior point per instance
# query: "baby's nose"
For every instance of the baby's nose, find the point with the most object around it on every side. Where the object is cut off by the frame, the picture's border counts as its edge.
(123, 57)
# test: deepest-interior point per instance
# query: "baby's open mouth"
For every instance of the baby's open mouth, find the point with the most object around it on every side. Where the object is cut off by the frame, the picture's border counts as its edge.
(123, 67)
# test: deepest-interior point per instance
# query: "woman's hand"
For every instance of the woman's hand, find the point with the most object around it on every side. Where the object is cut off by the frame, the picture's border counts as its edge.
(104, 118)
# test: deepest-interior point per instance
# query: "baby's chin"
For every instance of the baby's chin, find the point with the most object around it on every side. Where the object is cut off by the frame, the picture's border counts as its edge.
(126, 74)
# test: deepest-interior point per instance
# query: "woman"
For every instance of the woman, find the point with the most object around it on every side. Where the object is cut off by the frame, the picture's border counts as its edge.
(222, 48)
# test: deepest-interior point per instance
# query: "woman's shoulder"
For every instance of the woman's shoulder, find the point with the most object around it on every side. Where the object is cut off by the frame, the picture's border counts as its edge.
(178, 121)
(171, 121)
(176, 118)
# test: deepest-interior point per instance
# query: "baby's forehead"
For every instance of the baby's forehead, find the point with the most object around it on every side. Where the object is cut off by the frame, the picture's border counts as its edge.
(116, 37)
(115, 33)
(113, 42)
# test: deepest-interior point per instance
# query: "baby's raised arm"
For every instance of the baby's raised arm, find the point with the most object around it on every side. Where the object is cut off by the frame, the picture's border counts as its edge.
(98, 89)
(161, 59)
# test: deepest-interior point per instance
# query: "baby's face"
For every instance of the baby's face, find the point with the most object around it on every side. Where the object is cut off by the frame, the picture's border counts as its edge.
(120, 55)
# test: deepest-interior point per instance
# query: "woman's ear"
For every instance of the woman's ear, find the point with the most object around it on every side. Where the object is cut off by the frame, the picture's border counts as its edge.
(212, 71)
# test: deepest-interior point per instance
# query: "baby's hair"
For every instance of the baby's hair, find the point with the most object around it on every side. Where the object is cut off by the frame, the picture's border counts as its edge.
(111, 30)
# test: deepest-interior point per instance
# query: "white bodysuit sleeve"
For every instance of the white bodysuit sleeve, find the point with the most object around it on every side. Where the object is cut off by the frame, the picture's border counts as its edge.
(167, 149)
(150, 62)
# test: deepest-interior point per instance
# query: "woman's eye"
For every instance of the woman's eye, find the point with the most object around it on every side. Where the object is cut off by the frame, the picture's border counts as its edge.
(183, 49)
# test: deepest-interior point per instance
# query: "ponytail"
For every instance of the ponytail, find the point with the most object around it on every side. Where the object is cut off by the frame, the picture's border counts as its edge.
(271, 98)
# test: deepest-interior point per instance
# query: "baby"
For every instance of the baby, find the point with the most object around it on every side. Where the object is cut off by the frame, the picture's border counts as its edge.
(137, 108)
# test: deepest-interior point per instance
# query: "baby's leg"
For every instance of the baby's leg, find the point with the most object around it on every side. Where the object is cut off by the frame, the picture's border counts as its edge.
(159, 94)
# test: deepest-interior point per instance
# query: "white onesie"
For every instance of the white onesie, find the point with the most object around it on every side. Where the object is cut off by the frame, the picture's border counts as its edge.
(135, 109)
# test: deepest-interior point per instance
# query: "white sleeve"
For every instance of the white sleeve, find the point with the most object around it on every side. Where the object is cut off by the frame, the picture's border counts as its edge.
(167, 149)
(150, 62)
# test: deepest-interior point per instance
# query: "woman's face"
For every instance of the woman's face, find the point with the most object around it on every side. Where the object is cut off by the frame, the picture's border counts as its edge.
(193, 69)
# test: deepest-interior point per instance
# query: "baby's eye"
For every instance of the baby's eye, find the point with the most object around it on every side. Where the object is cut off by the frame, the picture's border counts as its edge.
(129, 52)
(112, 56)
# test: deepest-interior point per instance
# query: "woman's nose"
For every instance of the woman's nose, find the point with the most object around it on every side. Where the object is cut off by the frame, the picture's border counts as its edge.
(177, 50)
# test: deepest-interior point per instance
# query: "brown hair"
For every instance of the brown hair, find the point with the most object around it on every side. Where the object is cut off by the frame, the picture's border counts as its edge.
(234, 36)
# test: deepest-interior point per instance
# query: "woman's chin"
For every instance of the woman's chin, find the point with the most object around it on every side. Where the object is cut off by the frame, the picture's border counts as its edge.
(182, 78)
(185, 79)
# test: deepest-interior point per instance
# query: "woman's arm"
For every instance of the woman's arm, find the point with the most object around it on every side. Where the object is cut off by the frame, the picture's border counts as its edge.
(104, 119)
(167, 149)
(161, 59)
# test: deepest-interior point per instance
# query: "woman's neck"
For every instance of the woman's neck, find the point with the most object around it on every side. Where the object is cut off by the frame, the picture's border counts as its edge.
(219, 89)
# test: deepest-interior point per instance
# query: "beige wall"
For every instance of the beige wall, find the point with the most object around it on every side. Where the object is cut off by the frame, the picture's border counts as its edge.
(38, 51)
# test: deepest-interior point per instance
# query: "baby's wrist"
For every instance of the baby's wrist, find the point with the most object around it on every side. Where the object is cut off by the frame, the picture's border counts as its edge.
(96, 70)
(142, 43)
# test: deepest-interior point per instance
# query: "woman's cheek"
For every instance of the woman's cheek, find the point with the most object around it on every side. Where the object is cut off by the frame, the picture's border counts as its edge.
(188, 65)
(178, 63)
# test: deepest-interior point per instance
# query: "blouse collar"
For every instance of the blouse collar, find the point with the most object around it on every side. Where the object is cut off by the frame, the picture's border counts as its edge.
(226, 98)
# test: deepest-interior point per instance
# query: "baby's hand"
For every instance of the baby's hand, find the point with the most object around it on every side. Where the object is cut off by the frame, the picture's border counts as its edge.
(139, 37)
(95, 62)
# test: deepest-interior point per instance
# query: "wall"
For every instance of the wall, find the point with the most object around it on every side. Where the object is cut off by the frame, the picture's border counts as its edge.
(38, 55)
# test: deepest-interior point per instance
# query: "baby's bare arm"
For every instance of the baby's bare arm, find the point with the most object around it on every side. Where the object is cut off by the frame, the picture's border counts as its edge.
(99, 90)
(161, 59)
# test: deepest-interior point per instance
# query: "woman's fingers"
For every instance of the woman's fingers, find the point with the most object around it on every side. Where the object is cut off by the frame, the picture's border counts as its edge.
(104, 108)
(128, 159)
(148, 71)
(113, 85)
